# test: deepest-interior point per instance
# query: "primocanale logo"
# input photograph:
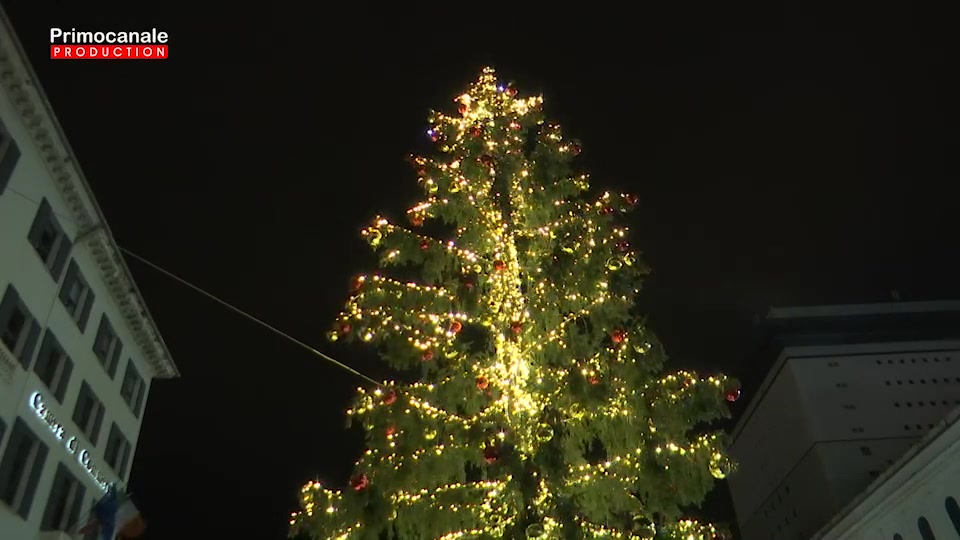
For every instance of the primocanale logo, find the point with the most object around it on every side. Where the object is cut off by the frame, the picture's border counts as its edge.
(76, 44)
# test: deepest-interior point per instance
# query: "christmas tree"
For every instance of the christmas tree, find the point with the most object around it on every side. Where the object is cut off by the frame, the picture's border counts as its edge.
(541, 409)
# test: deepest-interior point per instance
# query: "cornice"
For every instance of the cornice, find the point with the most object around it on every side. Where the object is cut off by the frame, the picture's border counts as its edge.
(22, 86)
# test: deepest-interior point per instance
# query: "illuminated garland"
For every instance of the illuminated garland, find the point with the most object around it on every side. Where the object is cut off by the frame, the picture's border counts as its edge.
(542, 409)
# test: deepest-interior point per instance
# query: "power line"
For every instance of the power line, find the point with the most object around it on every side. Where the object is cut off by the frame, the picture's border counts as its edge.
(223, 303)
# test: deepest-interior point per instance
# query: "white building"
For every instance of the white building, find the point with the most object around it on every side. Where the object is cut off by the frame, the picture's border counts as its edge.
(78, 349)
(851, 390)
(916, 499)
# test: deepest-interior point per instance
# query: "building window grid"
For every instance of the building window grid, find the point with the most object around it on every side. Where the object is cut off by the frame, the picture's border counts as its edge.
(19, 329)
(9, 157)
(76, 296)
(88, 413)
(107, 346)
(20, 468)
(53, 366)
(64, 503)
(133, 388)
(117, 453)
(49, 240)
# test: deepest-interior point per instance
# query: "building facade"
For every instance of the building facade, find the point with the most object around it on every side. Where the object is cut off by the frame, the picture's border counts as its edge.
(78, 348)
(917, 498)
(852, 389)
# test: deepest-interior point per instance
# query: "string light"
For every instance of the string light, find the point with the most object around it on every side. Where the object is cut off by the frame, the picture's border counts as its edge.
(541, 409)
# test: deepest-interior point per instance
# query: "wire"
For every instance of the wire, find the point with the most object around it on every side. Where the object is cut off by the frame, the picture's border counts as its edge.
(223, 303)
(247, 315)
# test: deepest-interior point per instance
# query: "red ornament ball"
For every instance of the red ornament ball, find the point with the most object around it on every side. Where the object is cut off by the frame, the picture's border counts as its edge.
(434, 136)
(469, 284)
(424, 245)
(733, 394)
(486, 159)
(575, 149)
(516, 327)
(390, 398)
(631, 199)
(617, 336)
(491, 454)
(359, 481)
(391, 430)
(357, 284)
(593, 379)
(606, 211)
(416, 220)
(623, 246)
(476, 130)
(427, 356)
(499, 265)
(463, 109)
(482, 383)
(511, 91)
(456, 326)
(345, 328)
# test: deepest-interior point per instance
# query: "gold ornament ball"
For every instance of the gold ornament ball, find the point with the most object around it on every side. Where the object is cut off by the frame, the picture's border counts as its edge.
(629, 259)
(544, 432)
(614, 264)
(535, 531)
(430, 434)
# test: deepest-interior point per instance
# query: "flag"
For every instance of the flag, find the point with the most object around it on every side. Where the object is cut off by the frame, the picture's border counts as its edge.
(103, 518)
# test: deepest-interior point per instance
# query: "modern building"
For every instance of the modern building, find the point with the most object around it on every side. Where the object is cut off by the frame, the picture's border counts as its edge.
(916, 498)
(78, 348)
(851, 390)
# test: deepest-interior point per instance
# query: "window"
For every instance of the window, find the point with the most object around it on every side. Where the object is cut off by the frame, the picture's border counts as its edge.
(3, 430)
(926, 533)
(53, 366)
(133, 388)
(88, 414)
(865, 450)
(18, 328)
(20, 468)
(49, 240)
(63, 505)
(9, 156)
(953, 511)
(118, 451)
(107, 346)
(76, 296)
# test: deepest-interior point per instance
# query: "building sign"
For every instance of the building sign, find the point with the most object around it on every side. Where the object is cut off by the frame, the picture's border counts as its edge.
(71, 442)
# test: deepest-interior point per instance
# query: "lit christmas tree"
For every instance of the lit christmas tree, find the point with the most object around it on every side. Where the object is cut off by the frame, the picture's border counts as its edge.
(541, 409)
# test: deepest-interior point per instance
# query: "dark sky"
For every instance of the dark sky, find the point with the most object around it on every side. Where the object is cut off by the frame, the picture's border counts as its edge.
(782, 158)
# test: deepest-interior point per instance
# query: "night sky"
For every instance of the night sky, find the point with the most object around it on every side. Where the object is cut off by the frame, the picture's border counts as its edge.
(781, 158)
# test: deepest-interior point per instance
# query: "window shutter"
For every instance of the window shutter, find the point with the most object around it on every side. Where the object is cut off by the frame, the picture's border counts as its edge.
(115, 359)
(7, 305)
(77, 504)
(61, 390)
(9, 156)
(62, 253)
(141, 392)
(95, 433)
(26, 355)
(67, 282)
(85, 313)
(24, 509)
(122, 469)
(41, 219)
